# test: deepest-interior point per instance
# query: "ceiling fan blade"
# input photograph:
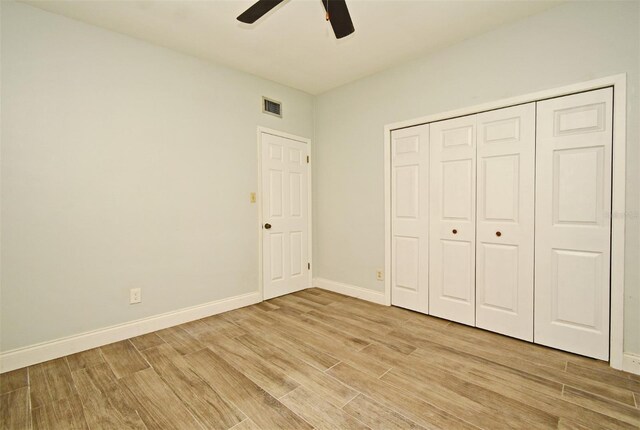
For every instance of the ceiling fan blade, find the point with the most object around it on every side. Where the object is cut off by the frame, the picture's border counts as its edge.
(339, 17)
(258, 10)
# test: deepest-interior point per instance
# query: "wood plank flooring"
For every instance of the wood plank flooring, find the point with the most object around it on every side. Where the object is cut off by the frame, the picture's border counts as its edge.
(316, 359)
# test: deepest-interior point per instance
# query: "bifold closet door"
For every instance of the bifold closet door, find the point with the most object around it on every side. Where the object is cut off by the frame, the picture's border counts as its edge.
(573, 222)
(505, 221)
(452, 219)
(410, 218)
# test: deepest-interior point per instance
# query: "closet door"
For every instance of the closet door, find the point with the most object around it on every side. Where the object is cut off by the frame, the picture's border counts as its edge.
(452, 219)
(410, 218)
(573, 222)
(505, 221)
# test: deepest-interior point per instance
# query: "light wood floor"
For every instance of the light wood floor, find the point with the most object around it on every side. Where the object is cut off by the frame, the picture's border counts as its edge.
(319, 359)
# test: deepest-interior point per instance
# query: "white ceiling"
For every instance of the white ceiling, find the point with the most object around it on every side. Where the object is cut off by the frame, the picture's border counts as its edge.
(293, 44)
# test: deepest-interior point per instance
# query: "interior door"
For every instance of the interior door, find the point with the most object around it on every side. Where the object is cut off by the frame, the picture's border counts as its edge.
(453, 219)
(285, 230)
(573, 222)
(505, 221)
(410, 218)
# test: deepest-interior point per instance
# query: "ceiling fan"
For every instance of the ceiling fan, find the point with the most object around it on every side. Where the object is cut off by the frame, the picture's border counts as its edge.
(336, 13)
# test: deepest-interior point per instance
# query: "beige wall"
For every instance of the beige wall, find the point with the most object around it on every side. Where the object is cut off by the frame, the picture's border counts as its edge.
(574, 42)
(123, 165)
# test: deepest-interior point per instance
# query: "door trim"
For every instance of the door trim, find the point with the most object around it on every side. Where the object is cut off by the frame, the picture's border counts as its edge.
(619, 84)
(264, 130)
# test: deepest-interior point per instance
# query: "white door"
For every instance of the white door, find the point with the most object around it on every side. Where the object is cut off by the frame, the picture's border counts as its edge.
(505, 221)
(573, 222)
(410, 218)
(452, 219)
(285, 217)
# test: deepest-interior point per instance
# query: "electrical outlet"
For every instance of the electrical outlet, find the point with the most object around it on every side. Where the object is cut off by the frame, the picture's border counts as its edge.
(135, 296)
(379, 275)
(252, 198)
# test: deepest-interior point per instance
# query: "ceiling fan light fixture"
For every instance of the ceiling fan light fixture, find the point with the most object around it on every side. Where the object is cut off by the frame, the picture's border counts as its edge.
(339, 18)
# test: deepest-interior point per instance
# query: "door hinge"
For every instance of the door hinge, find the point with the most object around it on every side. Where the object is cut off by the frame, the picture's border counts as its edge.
(309, 266)
(307, 159)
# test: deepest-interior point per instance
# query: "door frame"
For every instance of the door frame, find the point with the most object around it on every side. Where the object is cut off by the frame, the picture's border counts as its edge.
(619, 84)
(260, 132)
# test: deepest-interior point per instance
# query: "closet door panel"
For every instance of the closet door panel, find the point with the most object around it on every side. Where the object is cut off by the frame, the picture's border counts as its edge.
(505, 224)
(456, 277)
(410, 218)
(452, 219)
(573, 222)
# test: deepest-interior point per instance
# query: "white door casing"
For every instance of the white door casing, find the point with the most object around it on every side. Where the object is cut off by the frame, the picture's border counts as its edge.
(285, 204)
(452, 219)
(573, 222)
(505, 221)
(410, 218)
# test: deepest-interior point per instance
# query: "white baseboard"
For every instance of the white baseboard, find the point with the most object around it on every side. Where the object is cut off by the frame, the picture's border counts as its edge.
(27, 356)
(631, 363)
(350, 290)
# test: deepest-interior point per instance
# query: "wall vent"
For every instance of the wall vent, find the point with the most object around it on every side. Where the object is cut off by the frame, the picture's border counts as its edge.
(271, 107)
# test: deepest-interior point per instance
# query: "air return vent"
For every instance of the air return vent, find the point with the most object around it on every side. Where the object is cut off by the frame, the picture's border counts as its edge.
(271, 107)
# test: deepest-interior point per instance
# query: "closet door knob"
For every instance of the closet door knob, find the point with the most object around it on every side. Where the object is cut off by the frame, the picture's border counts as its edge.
(498, 234)
(267, 226)
(454, 231)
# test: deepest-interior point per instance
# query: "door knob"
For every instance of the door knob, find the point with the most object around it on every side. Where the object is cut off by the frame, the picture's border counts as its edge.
(267, 226)
(498, 234)
(454, 231)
